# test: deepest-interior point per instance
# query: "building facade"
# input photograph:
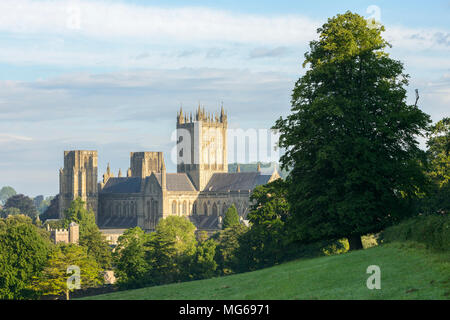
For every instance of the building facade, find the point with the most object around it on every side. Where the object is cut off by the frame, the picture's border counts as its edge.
(202, 189)
(70, 235)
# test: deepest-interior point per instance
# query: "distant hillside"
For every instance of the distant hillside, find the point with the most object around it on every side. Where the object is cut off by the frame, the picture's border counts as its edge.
(408, 271)
(266, 168)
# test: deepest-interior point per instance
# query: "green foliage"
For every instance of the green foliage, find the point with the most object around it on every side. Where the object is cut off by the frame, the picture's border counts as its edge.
(180, 231)
(231, 217)
(439, 151)
(23, 203)
(269, 204)
(263, 246)
(351, 138)
(5, 193)
(431, 230)
(23, 253)
(203, 265)
(437, 199)
(227, 246)
(164, 261)
(53, 280)
(407, 273)
(41, 203)
(266, 242)
(90, 235)
(9, 212)
(78, 213)
(170, 254)
(130, 257)
(51, 212)
(97, 247)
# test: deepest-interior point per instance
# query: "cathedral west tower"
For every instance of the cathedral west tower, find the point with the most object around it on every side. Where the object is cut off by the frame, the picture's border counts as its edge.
(78, 179)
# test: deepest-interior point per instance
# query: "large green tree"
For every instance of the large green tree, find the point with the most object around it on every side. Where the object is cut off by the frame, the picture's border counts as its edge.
(351, 137)
(180, 231)
(437, 200)
(5, 193)
(55, 278)
(172, 250)
(90, 236)
(231, 217)
(23, 254)
(227, 246)
(266, 242)
(78, 213)
(23, 203)
(129, 257)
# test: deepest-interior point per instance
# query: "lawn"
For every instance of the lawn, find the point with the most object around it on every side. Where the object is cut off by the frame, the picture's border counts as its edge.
(408, 271)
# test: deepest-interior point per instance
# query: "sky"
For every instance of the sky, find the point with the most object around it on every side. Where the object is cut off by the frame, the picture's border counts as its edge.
(111, 75)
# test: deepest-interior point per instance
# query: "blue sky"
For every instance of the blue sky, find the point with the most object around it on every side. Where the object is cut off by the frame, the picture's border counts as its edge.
(111, 75)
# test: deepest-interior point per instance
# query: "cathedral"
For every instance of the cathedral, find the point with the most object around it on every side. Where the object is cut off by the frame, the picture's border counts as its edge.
(202, 189)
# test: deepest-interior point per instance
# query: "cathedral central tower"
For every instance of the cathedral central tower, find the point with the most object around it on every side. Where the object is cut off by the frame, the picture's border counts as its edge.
(201, 145)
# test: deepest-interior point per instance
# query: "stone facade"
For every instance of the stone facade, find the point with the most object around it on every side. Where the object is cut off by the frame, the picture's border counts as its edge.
(202, 189)
(78, 178)
(71, 235)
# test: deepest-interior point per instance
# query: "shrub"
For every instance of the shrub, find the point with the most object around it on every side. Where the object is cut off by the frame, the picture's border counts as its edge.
(431, 230)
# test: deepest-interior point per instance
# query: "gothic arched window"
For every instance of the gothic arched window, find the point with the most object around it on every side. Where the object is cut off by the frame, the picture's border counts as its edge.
(155, 208)
(184, 208)
(205, 209)
(214, 209)
(174, 207)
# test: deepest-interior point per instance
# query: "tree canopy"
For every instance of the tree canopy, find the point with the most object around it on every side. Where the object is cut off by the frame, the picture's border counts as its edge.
(23, 203)
(23, 254)
(231, 217)
(351, 139)
(55, 275)
(78, 213)
(437, 199)
(5, 193)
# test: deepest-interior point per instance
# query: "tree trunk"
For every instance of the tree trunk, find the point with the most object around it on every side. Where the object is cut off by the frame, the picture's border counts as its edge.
(67, 294)
(354, 242)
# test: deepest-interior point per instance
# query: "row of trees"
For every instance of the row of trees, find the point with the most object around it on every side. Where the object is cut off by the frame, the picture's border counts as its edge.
(32, 266)
(174, 253)
(13, 203)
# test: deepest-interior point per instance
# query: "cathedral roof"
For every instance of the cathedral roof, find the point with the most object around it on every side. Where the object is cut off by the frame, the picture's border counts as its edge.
(176, 182)
(204, 222)
(122, 185)
(117, 222)
(236, 181)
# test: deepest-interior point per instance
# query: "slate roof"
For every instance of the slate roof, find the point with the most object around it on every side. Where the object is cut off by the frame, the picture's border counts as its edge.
(122, 185)
(177, 182)
(117, 222)
(219, 182)
(205, 222)
(236, 181)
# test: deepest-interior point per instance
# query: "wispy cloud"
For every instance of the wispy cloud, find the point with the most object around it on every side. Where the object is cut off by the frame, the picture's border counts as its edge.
(142, 95)
(6, 137)
(265, 52)
(111, 20)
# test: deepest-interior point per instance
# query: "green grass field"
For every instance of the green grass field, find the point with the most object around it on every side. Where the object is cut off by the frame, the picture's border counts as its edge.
(408, 271)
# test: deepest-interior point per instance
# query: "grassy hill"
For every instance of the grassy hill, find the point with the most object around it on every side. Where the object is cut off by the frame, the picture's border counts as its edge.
(408, 271)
